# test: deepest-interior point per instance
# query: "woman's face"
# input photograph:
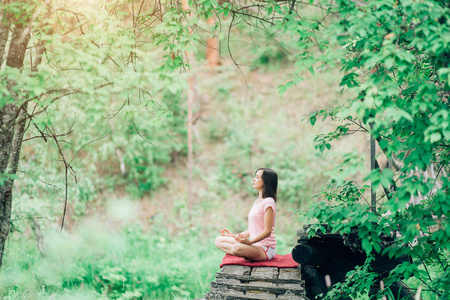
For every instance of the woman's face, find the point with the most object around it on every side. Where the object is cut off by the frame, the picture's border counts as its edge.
(257, 180)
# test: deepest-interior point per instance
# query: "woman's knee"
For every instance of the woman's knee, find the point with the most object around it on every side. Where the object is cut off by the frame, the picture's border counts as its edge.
(237, 250)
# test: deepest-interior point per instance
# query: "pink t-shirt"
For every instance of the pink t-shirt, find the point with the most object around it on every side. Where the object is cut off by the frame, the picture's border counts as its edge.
(256, 222)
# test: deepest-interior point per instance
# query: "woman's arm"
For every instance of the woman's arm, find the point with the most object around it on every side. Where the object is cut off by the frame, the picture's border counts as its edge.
(268, 221)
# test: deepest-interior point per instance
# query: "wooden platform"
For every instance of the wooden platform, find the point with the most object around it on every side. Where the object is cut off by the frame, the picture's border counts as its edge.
(242, 282)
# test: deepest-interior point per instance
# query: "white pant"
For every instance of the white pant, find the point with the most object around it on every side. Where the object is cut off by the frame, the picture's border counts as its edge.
(269, 251)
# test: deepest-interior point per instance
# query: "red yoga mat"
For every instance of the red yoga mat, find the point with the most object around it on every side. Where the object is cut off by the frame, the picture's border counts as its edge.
(279, 261)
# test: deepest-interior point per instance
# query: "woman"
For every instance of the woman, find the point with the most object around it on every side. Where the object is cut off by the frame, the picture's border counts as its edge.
(258, 242)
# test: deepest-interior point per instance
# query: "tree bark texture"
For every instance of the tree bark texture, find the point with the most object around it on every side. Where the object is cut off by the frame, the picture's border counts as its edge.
(190, 101)
(11, 133)
(191, 98)
(5, 26)
(18, 47)
(13, 118)
(212, 49)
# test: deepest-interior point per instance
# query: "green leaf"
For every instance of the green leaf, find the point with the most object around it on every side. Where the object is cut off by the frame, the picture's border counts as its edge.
(283, 88)
(435, 137)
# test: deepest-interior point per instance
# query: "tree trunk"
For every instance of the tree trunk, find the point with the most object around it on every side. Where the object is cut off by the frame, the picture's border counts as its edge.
(190, 103)
(12, 131)
(12, 127)
(5, 216)
(5, 26)
(212, 49)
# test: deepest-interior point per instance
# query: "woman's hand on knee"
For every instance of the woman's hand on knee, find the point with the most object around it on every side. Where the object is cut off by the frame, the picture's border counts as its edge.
(242, 239)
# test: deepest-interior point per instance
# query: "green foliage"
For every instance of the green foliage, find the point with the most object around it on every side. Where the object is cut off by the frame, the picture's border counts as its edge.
(270, 51)
(239, 143)
(395, 56)
(357, 284)
(129, 264)
(5, 177)
(147, 145)
(270, 56)
(94, 80)
(97, 165)
(293, 185)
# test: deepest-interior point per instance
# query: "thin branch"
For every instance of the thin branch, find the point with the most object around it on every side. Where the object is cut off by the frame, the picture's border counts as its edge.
(70, 11)
(94, 140)
(36, 177)
(291, 8)
(435, 180)
(140, 9)
(68, 93)
(93, 42)
(229, 49)
(76, 27)
(76, 16)
(137, 131)
(117, 112)
(32, 218)
(252, 16)
(67, 166)
(424, 265)
(45, 136)
(145, 105)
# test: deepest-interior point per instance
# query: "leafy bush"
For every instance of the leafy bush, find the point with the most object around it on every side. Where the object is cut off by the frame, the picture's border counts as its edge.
(395, 57)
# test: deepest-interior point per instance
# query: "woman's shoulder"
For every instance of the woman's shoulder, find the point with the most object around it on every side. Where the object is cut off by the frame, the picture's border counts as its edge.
(269, 200)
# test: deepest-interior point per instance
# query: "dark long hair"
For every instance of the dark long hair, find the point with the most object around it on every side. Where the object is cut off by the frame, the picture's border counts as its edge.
(270, 179)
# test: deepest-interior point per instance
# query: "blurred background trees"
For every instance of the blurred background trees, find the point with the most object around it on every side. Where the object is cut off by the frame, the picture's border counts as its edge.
(88, 62)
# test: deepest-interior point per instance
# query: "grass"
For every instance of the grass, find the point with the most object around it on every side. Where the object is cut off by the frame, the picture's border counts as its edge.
(116, 256)
(126, 263)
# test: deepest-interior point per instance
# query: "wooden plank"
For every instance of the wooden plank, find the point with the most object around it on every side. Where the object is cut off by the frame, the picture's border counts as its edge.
(241, 297)
(290, 273)
(291, 297)
(290, 286)
(235, 269)
(245, 287)
(265, 272)
(253, 296)
(223, 295)
(242, 282)
(228, 280)
(246, 278)
(260, 295)
(231, 294)
(261, 283)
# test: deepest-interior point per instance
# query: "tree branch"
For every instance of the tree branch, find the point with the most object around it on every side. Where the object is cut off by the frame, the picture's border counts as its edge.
(36, 177)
